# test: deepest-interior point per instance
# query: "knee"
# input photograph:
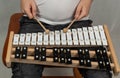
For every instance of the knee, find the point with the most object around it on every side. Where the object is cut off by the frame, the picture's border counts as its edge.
(26, 70)
(98, 74)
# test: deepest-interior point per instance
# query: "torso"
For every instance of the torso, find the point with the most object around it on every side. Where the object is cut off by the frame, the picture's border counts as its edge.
(56, 12)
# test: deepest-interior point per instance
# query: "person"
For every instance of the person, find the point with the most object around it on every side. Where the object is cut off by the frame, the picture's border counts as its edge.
(54, 15)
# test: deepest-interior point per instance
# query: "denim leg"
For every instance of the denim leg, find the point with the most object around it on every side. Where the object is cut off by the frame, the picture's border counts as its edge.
(94, 73)
(23, 70)
(91, 73)
(98, 74)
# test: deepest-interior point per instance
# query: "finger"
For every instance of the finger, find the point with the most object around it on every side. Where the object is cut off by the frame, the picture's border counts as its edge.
(28, 12)
(34, 10)
(77, 13)
(83, 13)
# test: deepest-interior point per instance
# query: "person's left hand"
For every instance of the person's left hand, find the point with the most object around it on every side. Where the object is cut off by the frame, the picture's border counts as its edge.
(82, 9)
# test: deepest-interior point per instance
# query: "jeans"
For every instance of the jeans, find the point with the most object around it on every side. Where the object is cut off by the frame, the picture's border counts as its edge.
(22, 70)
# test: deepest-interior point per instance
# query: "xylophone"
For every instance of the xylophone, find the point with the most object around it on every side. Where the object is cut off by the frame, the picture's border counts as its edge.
(86, 47)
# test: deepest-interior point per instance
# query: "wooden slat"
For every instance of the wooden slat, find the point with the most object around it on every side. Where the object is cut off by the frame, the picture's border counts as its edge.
(111, 48)
(49, 52)
(9, 50)
(49, 61)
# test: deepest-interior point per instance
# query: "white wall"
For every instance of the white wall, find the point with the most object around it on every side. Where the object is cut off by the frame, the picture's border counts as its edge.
(102, 12)
(7, 7)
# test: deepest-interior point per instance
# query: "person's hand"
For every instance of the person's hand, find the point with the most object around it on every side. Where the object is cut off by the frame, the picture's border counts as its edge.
(29, 7)
(82, 9)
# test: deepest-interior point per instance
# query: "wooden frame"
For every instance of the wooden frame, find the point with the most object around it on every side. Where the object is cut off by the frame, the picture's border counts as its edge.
(114, 65)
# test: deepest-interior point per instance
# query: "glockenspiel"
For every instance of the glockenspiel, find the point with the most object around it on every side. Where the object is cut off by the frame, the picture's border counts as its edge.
(85, 47)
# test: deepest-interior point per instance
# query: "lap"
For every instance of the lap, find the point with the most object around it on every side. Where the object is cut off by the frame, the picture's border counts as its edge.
(94, 73)
(21, 70)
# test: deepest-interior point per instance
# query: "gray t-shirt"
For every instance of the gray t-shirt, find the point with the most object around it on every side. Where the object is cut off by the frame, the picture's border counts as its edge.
(56, 11)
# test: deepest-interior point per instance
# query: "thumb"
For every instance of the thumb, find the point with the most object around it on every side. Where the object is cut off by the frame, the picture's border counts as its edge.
(34, 9)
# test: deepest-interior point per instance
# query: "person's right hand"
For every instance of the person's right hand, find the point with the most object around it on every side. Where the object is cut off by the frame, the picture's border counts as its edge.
(29, 7)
